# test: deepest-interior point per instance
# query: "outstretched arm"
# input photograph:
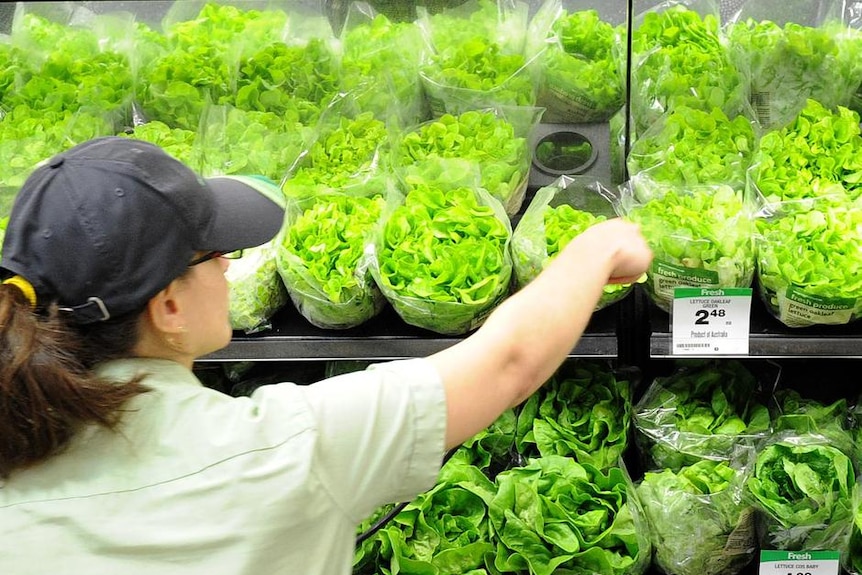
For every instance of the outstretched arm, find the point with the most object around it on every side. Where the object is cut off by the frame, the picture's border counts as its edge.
(528, 336)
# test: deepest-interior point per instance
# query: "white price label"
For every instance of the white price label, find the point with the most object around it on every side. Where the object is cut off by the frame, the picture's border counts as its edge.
(710, 321)
(799, 563)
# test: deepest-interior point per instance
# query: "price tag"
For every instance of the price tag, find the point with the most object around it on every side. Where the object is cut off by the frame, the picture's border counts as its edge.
(710, 321)
(799, 563)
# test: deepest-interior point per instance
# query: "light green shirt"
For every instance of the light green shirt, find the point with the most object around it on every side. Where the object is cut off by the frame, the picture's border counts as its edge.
(199, 482)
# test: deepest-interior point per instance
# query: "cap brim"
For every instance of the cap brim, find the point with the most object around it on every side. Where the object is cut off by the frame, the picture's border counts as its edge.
(247, 213)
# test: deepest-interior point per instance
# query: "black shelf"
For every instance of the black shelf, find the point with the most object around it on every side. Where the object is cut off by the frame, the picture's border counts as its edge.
(769, 338)
(384, 337)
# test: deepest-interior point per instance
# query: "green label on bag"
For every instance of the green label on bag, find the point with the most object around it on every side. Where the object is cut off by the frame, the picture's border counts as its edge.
(667, 277)
(799, 562)
(798, 308)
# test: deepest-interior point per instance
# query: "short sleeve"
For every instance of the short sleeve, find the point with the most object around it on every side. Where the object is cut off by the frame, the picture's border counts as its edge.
(381, 433)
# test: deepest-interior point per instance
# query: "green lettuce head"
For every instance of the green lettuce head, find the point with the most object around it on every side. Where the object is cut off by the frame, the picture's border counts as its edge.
(700, 523)
(555, 515)
(802, 487)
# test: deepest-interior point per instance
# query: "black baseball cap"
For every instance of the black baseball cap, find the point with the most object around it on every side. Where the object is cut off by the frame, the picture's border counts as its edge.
(104, 226)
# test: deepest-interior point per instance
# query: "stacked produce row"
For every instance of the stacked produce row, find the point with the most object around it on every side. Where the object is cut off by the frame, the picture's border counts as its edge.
(744, 157)
(732, 461)
(402, 148)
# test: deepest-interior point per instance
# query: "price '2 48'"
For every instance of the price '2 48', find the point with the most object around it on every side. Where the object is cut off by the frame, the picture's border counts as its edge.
(703, 315)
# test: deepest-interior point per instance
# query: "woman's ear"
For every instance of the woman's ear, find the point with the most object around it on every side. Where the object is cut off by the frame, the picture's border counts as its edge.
(165, 310)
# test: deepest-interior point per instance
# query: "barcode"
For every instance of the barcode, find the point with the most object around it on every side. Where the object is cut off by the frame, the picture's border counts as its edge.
(692, 345)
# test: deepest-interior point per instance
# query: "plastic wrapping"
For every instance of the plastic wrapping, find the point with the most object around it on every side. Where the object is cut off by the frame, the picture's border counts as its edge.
(441, 256)
(794, 50)
(255, 288)
(702, 236)
(322, 260)
(556, 214)
(818, 154)
(577, 76)
(690, 147)
(700, 522)
(475, 57)
(347, 149)
(703, 410)
(802, 487)
(380, 62)
(679, 58)
(495, 140)
(808, 256)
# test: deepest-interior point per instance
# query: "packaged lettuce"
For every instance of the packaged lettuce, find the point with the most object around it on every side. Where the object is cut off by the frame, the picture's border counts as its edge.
(495, 141)
(444, 530)
(802, 487)
(348, 150)
(700, 521)
(442, 257)
(804, 415)
(380, 61)
(679, 58)
(556, 215)
(176, 141)
(555, 515)
(808, 254)
(475, 56)
(702, 410)
(702, 236)
(321, 257)
(583, 412)
(818, 153)
(688, 146)
(256, 290)
(788, 62)
(201, 63)
(578, 79)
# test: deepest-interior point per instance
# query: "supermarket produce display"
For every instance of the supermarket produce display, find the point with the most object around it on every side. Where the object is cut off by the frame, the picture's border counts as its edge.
(434, 157)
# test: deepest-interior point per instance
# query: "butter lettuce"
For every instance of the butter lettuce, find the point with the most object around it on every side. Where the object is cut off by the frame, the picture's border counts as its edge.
(555, 515)
(583, 412)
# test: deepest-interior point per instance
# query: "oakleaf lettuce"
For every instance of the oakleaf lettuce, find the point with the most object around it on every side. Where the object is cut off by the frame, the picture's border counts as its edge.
(702, 236)
(380, 61)
(442, 257)
(818, 153)
(256, 290)
(680, 59)
(793, 62)
(808, 256)
(321, 258)
(578, 76)
(690, 146)
(495, 141)
(475, 57)
(556, 215)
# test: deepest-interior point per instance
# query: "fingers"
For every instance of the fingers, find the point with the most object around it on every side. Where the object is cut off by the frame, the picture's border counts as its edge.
(632, 255)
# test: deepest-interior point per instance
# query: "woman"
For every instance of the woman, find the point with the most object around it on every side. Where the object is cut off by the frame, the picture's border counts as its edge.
(115, 459)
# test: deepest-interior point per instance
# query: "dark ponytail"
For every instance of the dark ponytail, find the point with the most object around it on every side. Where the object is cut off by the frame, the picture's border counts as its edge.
(47, 388)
